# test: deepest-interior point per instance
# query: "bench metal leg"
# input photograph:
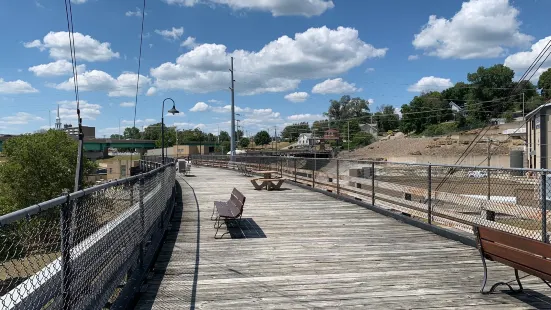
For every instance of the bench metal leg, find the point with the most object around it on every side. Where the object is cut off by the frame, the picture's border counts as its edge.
(236, 220)
(211, 216)
(492, 289)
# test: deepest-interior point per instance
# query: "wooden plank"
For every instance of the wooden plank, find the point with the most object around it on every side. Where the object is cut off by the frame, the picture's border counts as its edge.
(512, 240)
(307, 250)
(520, 257)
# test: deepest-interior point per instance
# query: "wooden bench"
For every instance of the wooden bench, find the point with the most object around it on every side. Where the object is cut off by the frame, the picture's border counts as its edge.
(528, 255)
(230, 210)
(269, 184)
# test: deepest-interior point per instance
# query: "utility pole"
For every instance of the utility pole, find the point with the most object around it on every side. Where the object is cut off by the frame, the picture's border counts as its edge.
(522, 105)
(275, 137)
(232, 88)
(348, 138)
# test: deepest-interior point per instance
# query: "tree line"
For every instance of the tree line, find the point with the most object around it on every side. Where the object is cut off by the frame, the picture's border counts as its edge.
(488, 93)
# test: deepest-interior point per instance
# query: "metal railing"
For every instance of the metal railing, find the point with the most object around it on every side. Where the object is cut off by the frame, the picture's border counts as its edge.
(88, 249)
(456, 197)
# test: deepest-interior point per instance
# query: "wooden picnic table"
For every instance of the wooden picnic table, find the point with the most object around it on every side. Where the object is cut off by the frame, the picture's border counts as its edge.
(267, 174)
(267, 181)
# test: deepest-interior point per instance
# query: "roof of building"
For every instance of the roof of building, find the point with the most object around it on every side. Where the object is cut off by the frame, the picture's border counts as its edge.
(531, 114)
(306, 134)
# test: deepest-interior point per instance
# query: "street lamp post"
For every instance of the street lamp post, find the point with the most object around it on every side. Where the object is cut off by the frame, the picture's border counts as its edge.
(173, 111)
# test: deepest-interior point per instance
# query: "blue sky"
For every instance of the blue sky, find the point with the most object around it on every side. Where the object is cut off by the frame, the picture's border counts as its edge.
(291, 56)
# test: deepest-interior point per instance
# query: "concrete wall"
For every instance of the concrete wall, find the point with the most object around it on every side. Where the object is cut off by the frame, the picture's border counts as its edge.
(120, 169)
(182, 150)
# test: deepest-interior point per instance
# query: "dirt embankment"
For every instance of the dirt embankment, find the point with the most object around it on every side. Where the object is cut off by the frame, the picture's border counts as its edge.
(444, 147)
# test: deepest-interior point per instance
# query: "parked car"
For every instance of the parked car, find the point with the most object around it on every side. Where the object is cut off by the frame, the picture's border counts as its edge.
(477, 174)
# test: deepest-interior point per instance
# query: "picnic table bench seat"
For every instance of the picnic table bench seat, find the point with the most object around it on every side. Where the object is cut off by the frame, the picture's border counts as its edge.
(521, 253)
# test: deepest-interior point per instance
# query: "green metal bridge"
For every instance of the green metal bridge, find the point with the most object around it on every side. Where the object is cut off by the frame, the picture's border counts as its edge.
(100, 145)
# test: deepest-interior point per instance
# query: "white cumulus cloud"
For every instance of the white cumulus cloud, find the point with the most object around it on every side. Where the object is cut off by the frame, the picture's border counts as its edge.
(189, 43)
(171, 34)
(335, 86)
(306, 8)
(19, 118)
(151, 91)
(481, 29)
(127, 104)
(521, 61)
(56, 68)
(123, 86)
(283, 63)
(137, 13)
(413, 57)
(306, 117)
(68, 110)
(297, 96)
(87, 48)
(16, 87)
(430, 83)
(200, 107)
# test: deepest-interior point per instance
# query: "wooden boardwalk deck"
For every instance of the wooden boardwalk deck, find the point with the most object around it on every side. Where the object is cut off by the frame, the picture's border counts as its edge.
(305, 250)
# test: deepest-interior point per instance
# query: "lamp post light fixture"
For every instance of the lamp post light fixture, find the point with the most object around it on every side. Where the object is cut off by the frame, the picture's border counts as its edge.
(172, 111)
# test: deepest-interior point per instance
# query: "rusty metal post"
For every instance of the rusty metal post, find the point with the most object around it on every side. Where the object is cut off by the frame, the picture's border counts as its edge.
(338, 177)
(373, 183)
(544, 237)
(429, 195)
(295, 169)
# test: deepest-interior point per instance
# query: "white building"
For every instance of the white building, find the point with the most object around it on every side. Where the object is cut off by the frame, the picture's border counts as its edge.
(304, 140)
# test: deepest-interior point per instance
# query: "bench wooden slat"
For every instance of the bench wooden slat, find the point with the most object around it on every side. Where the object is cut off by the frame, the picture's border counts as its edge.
(239, 196)
(520, 267)
(523, 258)
(515, 241)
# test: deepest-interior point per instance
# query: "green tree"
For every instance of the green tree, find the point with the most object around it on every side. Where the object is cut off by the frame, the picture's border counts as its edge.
(152, 132)
(347, 107)
(291, 132)
(459, 93)
(224, 136)
(361, 139)
(544, 84)
(38, 167)
(132, 133)
(117, 137)
(239, 134)
(387, 119)
(491, 86)
(244, 142)
(424, 110)
(262, 138)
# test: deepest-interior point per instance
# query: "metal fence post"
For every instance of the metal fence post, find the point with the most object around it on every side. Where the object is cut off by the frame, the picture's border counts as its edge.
(314, 174)
(373, 183)
(142, 219)
(66, 237)
(544, 207)
(338, 177)
(429, 195)
(295, 169)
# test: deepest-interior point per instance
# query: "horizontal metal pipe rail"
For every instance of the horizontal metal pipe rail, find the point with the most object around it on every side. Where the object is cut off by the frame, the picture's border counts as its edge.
(522, 211)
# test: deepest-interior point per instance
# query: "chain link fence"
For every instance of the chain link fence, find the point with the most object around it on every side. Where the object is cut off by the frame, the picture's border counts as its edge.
(87, 249)
(455, 197)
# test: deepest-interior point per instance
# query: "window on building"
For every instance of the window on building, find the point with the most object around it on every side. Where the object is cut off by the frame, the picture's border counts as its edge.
(123, 171)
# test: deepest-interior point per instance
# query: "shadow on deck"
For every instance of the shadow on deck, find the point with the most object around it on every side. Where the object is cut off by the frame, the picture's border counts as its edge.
(302, 249)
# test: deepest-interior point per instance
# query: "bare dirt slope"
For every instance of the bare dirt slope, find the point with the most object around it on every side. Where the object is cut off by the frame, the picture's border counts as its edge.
(405, 146)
